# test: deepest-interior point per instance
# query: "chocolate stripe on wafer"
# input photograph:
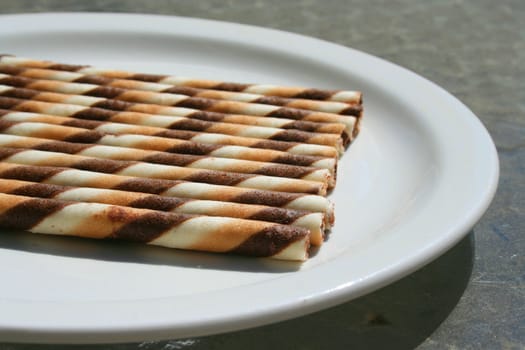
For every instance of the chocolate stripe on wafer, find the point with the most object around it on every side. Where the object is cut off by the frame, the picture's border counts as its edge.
(347, 97)
(158, 171)
(308, 99)
(190, 161)
(159, 103)
(312, 221)
(203, 140)
(309, 220)
(66, 133)
(183, 189)
(170, 122)
(173, 230)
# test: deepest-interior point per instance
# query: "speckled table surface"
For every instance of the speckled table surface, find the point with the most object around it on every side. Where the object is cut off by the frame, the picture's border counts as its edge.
(473, 297)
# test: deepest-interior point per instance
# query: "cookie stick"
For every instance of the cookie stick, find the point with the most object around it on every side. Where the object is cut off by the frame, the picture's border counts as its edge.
(166, 104)
(107, 84)
(72, 134)
(190, 161)
(183, 189)
(293, 148)
(275, 111)
(172, 230)
(157, 82)
(171, 122)
(314, 222)
(158, 171)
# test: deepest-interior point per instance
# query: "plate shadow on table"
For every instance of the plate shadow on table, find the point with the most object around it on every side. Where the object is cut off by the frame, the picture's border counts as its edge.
(136, 253)
(399, 316)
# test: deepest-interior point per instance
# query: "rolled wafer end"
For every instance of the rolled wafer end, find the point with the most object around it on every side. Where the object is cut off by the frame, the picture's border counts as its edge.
(357, 126)
(340, 145)
(326, 163)
(315, 222)
(317, 204)
(330, 215)
(297, 251)
(277, 241)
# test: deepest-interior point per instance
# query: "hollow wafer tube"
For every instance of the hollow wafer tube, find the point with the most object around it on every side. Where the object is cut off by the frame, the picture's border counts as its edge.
(190, 161)
(347, 97)
(224, 106)
(202, 139)
(314, 222)
(162, 103)
(171, 122)
(173, 230)
(182, 189)
(311, 99)
(159, 171)
(73, 134)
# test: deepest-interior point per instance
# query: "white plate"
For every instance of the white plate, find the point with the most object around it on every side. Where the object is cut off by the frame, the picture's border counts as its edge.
(420, 175)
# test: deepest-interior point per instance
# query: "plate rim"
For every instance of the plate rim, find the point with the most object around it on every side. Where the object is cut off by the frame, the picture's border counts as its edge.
(308, 304)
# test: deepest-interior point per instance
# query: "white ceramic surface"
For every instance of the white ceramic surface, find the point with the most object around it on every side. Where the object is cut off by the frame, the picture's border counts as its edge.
(417, 179)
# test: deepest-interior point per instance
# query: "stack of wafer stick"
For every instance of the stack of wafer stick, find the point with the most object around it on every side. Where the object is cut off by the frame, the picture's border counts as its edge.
(168, 160)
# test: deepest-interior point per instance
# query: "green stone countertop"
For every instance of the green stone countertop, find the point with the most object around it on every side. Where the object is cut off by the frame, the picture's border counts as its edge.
(473, 297)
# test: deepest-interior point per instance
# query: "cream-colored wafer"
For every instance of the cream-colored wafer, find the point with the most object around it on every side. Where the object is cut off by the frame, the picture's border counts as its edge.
(315, 222)
(190, 161)
(155, 82)
(173, 230)
(59, 132)
(182, 189)
(172, 122)
(174, 139)
(162, 103)
(159, 171)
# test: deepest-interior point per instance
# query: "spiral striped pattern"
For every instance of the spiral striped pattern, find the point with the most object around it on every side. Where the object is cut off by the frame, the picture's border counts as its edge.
(189, 161)
(293, 96)
(313, 221)
(170, 188)
(173, 230)
(159, 171)
(159, 103)
(256, 149)
(179, 162)
(171, 122)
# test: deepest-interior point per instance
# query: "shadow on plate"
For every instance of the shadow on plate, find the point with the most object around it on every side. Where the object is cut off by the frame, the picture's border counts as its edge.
(399, 316)
(129, 252)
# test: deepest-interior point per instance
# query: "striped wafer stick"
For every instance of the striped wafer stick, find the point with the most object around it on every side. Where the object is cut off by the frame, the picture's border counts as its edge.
(171, 122)
(73, 134)
(190, 161)
(160, 103)
(315, 222)
(159, 171)
(209, 104)
(204, 140)
(342, 108)
(182, 189)
(173, 230)
(240, 89)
